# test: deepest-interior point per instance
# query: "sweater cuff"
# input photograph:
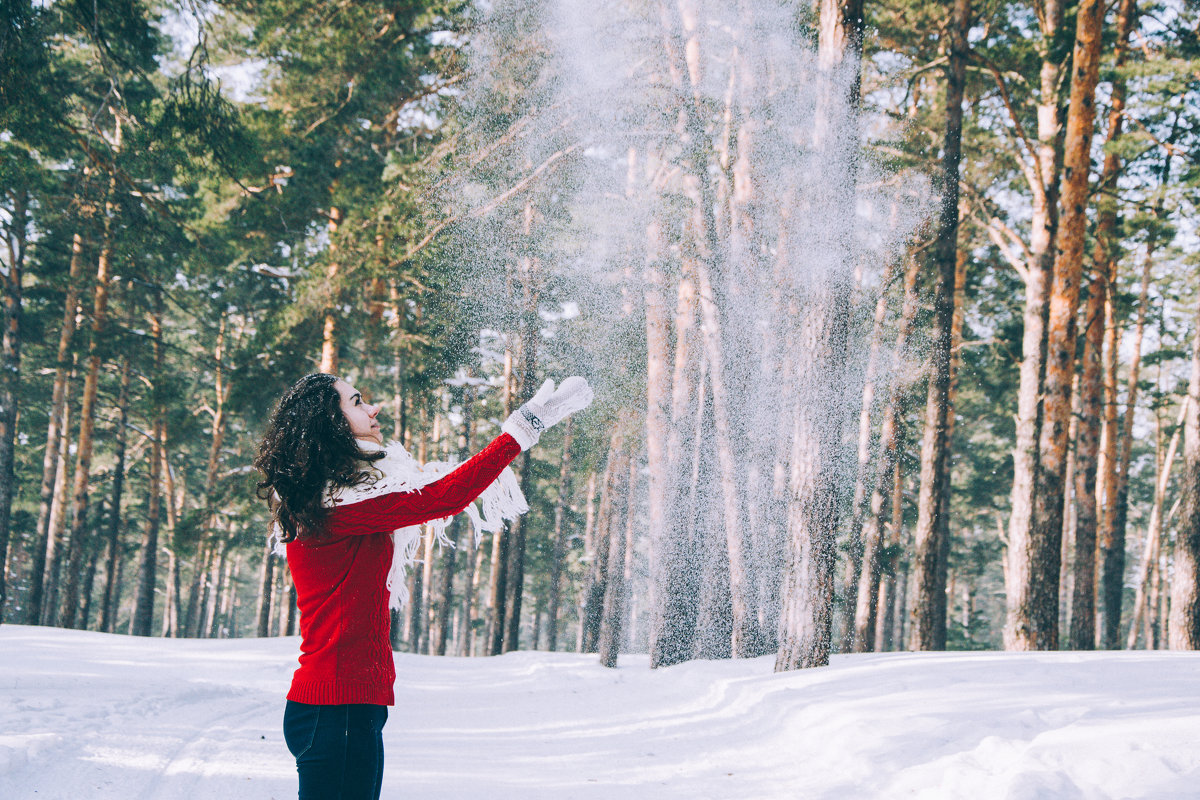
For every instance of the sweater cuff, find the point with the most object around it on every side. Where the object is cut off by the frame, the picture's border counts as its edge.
(523, 426)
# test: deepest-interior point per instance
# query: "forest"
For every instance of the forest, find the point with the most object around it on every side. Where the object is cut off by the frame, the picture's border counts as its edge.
(892, 310)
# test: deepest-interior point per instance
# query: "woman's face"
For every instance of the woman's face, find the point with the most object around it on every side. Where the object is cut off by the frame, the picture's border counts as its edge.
(361, 415)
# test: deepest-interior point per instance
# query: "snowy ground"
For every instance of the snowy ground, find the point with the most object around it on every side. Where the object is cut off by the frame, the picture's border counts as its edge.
(95, 716)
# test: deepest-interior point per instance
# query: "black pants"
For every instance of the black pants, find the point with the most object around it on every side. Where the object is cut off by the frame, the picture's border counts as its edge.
(338, 749)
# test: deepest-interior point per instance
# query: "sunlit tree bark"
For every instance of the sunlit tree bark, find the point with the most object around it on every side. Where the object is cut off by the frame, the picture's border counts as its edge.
(928, 630)
(1042, 174)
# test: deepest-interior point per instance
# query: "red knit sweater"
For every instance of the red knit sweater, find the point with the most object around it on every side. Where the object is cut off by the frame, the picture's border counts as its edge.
(340, 578)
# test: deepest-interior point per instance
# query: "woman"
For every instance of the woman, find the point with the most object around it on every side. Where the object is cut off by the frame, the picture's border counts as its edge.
(336, 496)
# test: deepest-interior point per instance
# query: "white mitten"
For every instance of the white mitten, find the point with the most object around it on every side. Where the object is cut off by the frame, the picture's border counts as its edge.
(546, 408)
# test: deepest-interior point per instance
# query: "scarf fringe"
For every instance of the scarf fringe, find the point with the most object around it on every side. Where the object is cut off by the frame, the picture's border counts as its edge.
(501, 501)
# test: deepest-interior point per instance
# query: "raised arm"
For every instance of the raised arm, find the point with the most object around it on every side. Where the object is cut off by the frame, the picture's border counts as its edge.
(444, 497)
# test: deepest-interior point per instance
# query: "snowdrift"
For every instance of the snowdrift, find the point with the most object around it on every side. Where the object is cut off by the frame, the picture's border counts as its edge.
(95, 716)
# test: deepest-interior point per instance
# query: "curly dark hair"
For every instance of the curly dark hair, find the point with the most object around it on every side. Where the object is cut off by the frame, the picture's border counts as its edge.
(308, 443)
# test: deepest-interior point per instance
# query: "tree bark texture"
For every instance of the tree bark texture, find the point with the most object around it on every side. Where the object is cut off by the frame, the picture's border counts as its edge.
(87, 414)
(1091, 479)
(1183, 628)
(675, 562)
(928, 629)
(108, 613)
(58, 398)
(891, 438)
(559, 554)
(620, 551)
(1049, 494)
(1146, 591)
(1042, 175)
(10, 372)
(143, 609)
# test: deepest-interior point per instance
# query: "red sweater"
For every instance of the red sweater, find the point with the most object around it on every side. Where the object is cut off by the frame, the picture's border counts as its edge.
(340, 578)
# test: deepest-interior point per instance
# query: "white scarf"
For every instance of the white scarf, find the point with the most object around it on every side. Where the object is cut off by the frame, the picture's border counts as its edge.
(398, 471)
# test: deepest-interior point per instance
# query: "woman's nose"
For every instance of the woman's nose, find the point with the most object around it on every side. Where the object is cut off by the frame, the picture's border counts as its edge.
(374, 412)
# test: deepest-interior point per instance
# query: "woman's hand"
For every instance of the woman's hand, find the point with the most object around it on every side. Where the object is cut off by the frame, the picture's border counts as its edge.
(547, 407)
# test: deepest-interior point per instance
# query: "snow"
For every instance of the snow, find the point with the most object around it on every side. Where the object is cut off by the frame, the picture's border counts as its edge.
(90, 715)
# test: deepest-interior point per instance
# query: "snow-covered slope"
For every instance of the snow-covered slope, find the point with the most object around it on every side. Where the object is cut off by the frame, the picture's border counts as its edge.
(92, 716)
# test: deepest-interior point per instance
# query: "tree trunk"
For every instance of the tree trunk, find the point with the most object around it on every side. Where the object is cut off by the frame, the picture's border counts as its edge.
(1094, 405)
(10, 372)
(1087, 445)
(530, 331)
(1183, 630)
(598, 571)
(266, 581)
(620, 539)
(1039, 626)
(891, 441)
(143, 607)
(64, 366)
(558, 557)
(56, 529)
(806, 619)
(108, 613)
(500, 544)
(928, 630)
(173, 606)
(863, 484)
(1024, 549)
(675, 560)
(87, 412)
(459, 534)
(891, 596)
(472, 558)
(1150, 553)
(1109, 459)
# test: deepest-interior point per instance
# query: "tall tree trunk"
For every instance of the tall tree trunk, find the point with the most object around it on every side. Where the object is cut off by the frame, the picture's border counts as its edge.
(143, 607)
(865, 475)
(472, 556)
(530, 331)
(1183, 630)
(675, 560)
(195, 606)
(1091, 479)
(889, 622)
(928, 630)
(620, 539)
(1144, 594)
(173, 607)
(891, 438)
(806, 619)
(87, 412)
(1082, 635)
(1040, 628)
(459, 534)
(559, 555)
(1108, 466)
(10, 370)
(806, 616)
(702, 240)
(108, 614)
(266, 581)
(500, 544)
(64, 366)
(1042, 175)
(471, 601)
(56, 528)
(596, 584)
(1113, 542)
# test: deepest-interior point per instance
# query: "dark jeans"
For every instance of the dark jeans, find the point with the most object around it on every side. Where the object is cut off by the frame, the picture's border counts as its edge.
(338, 749)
